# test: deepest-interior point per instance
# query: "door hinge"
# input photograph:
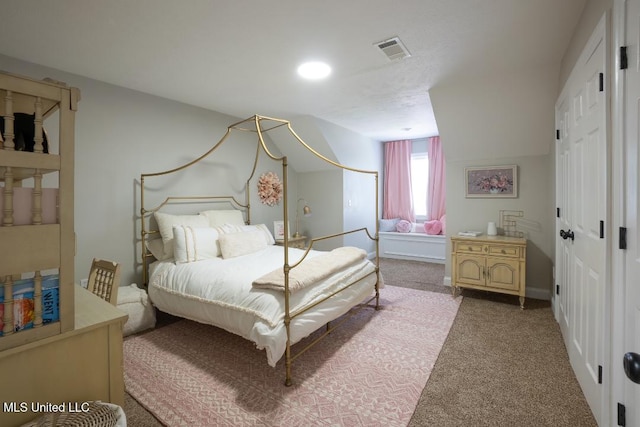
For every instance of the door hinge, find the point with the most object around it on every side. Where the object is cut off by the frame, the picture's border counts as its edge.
(557, 212)
(602, 229)
(557, 289)
(601, 82)
(622, 244)
(558, 134)
(623, 58)
(622, 416)
(599, 374)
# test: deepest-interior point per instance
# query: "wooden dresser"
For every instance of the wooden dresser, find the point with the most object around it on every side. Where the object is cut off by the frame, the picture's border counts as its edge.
(489, 263)
(80, 365)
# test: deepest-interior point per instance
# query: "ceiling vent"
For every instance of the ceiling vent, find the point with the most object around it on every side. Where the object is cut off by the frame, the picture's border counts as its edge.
(393, 49)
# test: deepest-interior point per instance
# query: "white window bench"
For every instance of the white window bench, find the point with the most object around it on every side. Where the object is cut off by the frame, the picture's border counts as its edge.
(413, 246)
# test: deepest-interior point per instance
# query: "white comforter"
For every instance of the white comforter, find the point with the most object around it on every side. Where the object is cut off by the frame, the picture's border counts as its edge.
(219, 292)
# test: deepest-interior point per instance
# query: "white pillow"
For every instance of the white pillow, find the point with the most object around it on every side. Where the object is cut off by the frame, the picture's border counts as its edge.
(237, 244)
(156, 247)
(166, 222)
(220, 217)
(230, 228)
(264, 230)
(194, 244)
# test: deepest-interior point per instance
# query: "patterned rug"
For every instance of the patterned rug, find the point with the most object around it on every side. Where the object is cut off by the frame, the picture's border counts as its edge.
(369, 372)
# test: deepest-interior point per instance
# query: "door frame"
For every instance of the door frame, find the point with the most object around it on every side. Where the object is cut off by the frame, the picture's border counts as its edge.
(618, 212)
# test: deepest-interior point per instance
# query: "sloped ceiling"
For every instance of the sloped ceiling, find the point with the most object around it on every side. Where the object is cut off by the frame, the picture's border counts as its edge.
(239, 57)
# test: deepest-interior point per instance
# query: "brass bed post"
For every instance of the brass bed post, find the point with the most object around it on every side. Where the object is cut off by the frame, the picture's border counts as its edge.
(377, 240)
(143, 234)
(287, 268)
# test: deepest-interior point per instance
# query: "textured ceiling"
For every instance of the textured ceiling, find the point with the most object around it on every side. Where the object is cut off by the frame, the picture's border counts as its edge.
(239, 57)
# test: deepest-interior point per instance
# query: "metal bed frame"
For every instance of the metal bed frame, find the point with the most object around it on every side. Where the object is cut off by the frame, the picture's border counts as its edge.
(260, 125)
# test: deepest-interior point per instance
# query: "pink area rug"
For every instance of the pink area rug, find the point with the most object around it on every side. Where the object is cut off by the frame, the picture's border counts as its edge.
(369, 372)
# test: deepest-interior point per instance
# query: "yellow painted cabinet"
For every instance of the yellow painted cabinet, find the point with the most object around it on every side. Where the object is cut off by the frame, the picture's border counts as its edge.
(491, 263)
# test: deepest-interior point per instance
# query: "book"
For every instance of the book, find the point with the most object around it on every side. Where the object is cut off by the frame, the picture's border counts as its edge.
(50, 299)
(23, 304)
(469, 233)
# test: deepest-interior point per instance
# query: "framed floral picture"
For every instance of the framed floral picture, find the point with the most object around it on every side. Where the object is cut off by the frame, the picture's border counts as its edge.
(491, 181)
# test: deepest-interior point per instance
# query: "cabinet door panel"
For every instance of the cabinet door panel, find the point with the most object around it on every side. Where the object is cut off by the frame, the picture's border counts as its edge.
(470, 270)
(503, 273)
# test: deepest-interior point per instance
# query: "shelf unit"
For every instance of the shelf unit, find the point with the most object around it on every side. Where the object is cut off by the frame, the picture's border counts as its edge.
(36, 247)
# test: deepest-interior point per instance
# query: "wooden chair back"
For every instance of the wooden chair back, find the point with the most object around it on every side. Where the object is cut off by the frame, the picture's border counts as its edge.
(104, 279)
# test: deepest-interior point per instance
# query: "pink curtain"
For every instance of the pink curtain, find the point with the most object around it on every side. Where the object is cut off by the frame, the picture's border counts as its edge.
(397, 181)
(436, 186)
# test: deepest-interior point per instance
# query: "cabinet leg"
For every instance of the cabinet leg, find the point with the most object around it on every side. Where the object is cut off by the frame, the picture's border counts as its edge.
(454, 291)
(521, 303)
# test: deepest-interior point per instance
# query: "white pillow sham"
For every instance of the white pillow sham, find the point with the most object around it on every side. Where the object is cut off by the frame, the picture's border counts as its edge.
(236, 244)
(156, 247)
(166, 222)
(221, 217)
(192, 244)
(262, 228)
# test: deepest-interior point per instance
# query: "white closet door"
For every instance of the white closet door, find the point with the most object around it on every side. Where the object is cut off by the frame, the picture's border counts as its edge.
(581, 258)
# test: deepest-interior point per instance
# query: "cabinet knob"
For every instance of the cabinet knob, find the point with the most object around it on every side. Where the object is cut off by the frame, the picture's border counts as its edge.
(503, 251)
(469, 247)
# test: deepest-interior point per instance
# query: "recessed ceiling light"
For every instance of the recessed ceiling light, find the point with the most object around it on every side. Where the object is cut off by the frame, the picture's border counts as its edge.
(314, 70)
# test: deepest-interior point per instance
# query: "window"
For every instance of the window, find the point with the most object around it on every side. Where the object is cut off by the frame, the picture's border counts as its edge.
(419, 181)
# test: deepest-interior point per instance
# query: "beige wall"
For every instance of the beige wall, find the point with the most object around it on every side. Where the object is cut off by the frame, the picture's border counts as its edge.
(502, 120)
(120, 134)
(509, 119)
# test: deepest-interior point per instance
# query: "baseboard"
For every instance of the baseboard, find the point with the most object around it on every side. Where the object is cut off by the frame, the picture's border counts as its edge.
(536, 293)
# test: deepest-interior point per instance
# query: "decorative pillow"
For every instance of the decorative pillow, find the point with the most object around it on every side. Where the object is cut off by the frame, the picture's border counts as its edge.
(243, 243)
(220, 217)
(166, 222)
(404, 226)
(231, 228)
(433, 227)
(156, 247)
(264, 229)
(194, 244)
(389, 224)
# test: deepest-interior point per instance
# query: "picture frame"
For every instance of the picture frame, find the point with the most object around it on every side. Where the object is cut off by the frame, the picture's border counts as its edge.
(491, 181)
(278, 230)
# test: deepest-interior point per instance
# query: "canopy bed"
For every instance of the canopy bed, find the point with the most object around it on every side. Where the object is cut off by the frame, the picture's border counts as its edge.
(216, 266)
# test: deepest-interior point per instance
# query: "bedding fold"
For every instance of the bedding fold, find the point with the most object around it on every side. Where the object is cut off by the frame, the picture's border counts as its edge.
(311, 270)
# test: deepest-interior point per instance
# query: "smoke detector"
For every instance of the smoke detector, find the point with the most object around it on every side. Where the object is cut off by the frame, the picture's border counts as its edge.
(393, 49)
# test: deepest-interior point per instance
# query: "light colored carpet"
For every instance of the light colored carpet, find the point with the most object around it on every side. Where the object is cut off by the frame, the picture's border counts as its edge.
(370, 371)
(414, 274)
